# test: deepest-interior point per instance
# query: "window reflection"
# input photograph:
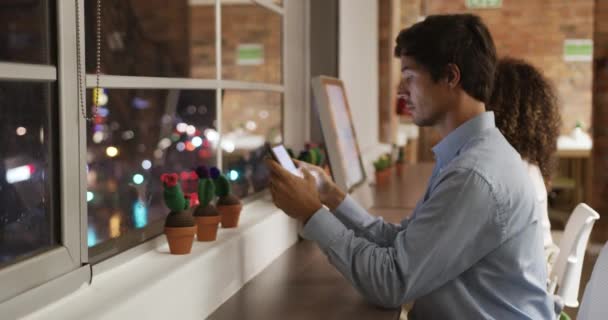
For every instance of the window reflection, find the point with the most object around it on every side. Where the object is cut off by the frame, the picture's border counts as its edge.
(136, 136)
(249, 120)
(153, 38)
(26, 31)
(251, 48)
(27, 177)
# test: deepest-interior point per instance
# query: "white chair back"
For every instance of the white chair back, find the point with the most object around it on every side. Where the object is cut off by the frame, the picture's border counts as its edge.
(594, 305)
(566, 273)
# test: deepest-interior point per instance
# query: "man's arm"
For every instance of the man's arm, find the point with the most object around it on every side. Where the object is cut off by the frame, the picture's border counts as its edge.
(374, 229)
(455, 228)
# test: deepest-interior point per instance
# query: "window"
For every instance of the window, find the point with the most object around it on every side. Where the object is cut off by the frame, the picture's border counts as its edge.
(28, 111)
(177, 90)
(39, 223)
(182, 83)
(173, 132)
(28, 212)
(251, 49)
(249, 120)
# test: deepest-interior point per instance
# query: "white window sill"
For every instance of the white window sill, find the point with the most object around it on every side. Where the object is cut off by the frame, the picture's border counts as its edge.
(147, 282)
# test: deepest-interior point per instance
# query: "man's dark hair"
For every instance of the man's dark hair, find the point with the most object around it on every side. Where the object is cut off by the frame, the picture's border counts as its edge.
(460, 39)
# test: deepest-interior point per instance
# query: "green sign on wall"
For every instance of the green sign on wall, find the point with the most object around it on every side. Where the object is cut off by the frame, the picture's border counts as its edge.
(483, 4)
(249, 54)
(578, 50)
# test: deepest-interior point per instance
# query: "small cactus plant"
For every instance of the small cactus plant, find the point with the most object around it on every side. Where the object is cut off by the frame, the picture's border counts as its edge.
(206, 193)
(176, 202)
(206, 214)
(228, 204)
(206, 188)
(383, 162)
(179, 224)
(222, 188)
(313, 156)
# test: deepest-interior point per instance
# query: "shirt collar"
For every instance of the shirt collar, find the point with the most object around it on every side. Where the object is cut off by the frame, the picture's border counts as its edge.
(449, 146)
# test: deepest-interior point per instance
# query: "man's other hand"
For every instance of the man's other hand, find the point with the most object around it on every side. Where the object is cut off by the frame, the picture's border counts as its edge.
(329, 193)
(297, 197)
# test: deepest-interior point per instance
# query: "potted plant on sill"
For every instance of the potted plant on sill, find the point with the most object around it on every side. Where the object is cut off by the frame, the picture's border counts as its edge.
(179, 224)
(382, 168)
(315, 156)
(206, 214)
(227, 204)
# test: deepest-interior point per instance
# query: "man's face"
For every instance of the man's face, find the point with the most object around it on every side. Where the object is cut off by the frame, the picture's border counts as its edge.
(426, 99)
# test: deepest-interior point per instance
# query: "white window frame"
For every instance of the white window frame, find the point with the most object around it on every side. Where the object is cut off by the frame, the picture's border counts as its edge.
(23, 276)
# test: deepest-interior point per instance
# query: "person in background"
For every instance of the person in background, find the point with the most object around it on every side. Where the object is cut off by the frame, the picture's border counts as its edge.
(472, 248)
(527, 114)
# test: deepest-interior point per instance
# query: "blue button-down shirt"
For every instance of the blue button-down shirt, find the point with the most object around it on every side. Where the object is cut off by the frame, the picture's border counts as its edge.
(472, 248)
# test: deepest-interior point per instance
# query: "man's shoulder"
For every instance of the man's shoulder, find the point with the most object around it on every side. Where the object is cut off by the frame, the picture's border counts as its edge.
(488, 154)
(491, 157)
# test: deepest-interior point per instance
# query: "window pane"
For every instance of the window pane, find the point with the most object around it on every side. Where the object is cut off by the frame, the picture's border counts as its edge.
(28, 189)
(251, 48)
(26, 31)
(156, 38)
(136, 136)
(249, 120)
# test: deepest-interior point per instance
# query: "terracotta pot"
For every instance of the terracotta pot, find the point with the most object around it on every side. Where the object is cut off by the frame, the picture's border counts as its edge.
(207, 227)
(180, 239)
(230, 215)
(383, 176)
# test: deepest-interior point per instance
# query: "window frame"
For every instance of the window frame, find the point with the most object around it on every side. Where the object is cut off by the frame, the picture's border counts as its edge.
(51, 275)
(120, 244)
(22, 276)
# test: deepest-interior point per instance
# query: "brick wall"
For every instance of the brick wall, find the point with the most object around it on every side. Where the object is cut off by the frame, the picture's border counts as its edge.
(600, 112)
(241, 24)
(535, 30)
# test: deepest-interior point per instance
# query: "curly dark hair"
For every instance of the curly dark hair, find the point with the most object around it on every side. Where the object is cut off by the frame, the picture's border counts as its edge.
(527, 112)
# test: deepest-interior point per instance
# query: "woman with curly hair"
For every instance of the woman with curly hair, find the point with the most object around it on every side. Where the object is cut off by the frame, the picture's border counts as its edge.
(527, 114)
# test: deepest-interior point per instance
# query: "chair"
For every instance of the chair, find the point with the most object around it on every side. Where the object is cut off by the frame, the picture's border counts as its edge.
(593, 305)
(566, 273)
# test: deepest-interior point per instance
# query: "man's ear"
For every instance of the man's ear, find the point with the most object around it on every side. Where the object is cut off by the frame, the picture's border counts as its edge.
(452, 75)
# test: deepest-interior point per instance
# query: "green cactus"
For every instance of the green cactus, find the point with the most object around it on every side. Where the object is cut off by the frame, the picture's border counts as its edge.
(206, 191)
(383, 162)
(223, 186)
(321, 157)
(174, 198)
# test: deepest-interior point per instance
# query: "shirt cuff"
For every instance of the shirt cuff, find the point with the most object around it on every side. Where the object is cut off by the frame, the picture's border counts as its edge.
(351, 213)
(323, 228)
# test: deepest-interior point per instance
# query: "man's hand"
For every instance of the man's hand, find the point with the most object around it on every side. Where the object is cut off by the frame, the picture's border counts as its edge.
(329, 193)
(297, 197)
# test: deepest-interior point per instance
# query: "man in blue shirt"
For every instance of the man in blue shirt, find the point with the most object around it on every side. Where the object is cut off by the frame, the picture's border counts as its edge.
(472, 248)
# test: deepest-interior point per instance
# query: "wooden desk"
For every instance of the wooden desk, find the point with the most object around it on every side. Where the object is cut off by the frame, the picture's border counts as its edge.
(301, 284)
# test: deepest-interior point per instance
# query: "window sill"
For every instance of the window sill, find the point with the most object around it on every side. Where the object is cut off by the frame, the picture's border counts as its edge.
(148, 282)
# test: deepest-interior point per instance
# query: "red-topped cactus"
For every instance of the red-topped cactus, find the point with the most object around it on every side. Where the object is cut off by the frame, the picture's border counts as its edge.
(206, 214)
(228, 204)
(179, 224)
